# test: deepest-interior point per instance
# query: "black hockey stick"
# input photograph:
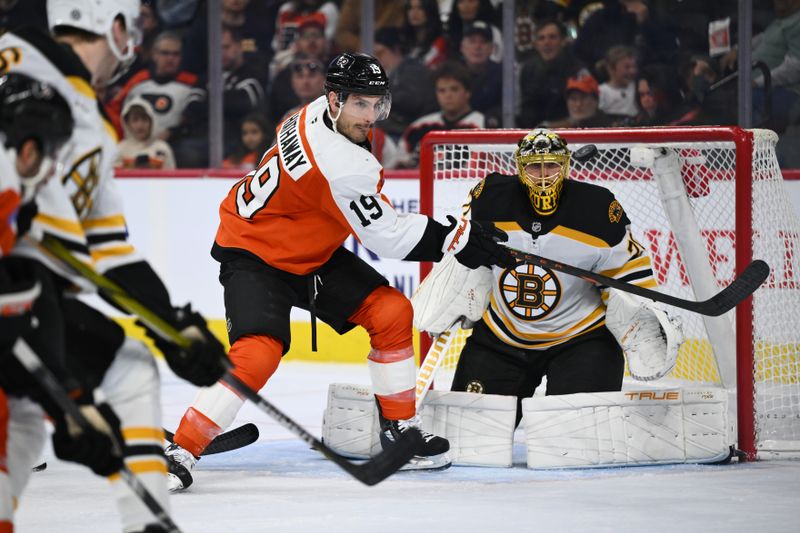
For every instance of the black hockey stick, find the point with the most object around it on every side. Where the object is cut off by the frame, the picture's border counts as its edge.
(740, 288)
(227, 441)
(369, 472)
(33, 364)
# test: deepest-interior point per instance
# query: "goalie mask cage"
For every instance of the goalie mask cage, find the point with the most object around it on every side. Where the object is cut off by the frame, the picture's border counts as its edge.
(740, 211)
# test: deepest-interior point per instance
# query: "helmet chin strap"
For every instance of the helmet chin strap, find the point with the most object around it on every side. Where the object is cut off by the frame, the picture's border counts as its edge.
(338, 114)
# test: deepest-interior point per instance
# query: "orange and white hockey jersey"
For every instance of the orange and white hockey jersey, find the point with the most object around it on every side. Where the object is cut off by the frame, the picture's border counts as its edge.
(311, 190)
(83, 208)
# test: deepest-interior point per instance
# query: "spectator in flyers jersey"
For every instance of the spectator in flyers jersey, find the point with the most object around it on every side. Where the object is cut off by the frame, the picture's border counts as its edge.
(279, 244)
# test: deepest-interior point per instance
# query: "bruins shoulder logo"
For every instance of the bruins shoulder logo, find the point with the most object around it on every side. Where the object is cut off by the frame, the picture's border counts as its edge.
(615, 212)
(478, 189)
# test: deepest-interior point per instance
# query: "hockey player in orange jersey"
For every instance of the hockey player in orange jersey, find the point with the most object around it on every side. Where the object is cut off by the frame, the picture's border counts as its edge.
(279, 243)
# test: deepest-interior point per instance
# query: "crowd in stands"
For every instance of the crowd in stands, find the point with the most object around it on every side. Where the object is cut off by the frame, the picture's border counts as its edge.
(578, 63)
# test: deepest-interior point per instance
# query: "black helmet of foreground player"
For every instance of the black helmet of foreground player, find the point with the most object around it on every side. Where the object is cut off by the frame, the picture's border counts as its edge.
(536, 156)
(33, 110)
(358, 74)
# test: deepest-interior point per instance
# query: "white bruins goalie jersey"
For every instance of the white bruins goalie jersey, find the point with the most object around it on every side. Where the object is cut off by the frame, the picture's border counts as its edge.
(82, 207)
(533, 307)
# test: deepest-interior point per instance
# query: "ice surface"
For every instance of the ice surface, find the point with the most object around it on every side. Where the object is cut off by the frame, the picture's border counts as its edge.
(279, 484)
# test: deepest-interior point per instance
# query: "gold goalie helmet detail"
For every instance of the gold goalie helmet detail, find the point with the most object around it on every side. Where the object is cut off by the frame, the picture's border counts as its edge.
(542, 160)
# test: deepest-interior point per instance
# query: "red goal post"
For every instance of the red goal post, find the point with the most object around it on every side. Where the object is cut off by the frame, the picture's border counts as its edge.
(734, 187)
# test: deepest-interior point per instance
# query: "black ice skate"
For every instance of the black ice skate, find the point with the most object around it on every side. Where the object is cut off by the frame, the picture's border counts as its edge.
(432, 455)
(179, 463)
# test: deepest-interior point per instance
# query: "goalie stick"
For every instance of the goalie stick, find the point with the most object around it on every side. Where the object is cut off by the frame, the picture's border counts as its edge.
(433, 360)
(227, 441)
(33, 364)
(740, 288)
(369, 472)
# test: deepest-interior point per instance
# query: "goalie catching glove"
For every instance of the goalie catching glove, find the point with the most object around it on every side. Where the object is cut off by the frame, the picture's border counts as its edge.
(476, 244)
(202, 364)
(649, 337)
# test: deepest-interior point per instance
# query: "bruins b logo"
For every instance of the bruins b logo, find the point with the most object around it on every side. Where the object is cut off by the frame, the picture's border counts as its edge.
(530, 291)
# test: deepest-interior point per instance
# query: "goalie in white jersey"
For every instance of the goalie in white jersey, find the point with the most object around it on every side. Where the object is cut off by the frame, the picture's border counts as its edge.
(540, 322)
(83, 210)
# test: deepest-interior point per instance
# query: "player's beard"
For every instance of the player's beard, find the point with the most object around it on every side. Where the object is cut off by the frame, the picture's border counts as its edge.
(355, 131)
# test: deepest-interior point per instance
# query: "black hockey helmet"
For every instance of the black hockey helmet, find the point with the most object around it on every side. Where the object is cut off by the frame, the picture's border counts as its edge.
(357, 73)
(31, 109)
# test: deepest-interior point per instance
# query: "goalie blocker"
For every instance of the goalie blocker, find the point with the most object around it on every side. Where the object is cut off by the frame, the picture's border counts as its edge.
(638, 427)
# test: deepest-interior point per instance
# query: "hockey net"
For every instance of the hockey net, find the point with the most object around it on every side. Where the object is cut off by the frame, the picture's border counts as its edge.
(741, 211)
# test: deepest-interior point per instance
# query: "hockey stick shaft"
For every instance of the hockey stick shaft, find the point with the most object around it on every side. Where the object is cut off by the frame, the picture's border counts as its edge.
(33, 364)
(370, 472)
(740, 288)
(433, 360)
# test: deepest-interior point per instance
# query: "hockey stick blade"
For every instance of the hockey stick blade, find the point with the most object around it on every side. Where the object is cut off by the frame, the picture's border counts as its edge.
(370, 472)
(228, 441)
(743, 286)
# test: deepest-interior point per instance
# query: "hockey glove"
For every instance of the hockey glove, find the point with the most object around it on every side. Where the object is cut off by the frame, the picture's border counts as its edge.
(202, 363)
(91, 447)
(19, 288)
(476, 244)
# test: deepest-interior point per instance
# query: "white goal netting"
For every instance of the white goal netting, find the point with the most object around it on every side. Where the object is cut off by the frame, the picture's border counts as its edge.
(735, 190)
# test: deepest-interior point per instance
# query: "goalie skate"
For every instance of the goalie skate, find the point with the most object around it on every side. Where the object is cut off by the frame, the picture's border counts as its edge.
(179, 464)
(432, 453)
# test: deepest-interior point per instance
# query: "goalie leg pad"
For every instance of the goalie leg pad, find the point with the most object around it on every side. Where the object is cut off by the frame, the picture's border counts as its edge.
(642, 427)
(350, 421)
(480, 427)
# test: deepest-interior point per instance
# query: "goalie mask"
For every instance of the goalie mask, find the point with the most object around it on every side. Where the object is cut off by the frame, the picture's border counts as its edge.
(359, 74)
(542, 159)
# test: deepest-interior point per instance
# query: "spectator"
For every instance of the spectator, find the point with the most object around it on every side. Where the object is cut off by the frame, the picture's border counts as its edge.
(410, 82)
(486, 75)
(423, 32)
(292, 14)
(697, 75)
(308, 82)
(659, 98)
(466, 12)
(779, 47)
(255, 22)
(582, 94)
(543, 78)
(305, 78)
(453, 86)
(629, 23)
(388, 13)
(618, 94)
(242, 94)
(168, 88)
(140, 148)
(256, 137)
(310, 41)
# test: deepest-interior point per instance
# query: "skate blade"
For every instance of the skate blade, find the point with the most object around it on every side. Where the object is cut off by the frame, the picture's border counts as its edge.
(431, 463)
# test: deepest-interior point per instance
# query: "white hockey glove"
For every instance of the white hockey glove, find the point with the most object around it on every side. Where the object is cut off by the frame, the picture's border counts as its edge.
(649, 337)
(451, 291)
